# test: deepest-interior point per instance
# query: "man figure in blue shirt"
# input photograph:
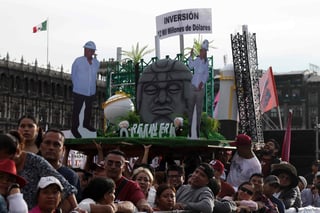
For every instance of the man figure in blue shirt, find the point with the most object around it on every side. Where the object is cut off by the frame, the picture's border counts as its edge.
(199, 79)
(84, 76)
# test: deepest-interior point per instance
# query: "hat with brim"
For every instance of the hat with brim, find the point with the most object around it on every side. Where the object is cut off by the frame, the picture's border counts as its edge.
(49, 180)
(8, 166)
(217, 165)
(303, 181)
(241, 140)
(207, 169)
(90, 45)
(285, 167)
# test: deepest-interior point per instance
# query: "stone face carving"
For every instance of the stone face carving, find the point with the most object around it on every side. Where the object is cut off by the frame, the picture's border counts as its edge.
(163, 91)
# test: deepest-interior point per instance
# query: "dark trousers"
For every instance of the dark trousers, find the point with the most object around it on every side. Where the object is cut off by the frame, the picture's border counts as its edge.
(78, 101)
(195, 99)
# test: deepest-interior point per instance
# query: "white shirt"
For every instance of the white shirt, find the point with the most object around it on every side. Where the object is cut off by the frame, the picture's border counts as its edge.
(201, 71)
(152, 196)
(84, 76)
(85, 204)
(241, 169)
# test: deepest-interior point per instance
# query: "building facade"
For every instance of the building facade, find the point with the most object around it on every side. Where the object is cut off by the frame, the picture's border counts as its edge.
(43, 93)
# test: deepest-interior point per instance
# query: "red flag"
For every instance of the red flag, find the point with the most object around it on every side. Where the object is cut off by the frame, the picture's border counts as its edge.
(268, 91)
(215, 104)
(285, 154)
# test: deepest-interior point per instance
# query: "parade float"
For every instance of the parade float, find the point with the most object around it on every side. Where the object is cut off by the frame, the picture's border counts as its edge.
(148, 103)
(159, 119)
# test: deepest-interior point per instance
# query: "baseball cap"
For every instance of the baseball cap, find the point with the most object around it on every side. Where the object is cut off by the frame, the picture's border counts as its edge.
(272, 180)
(206, 168)
(90, 45)
(303, 181)
(46, 181)
(217, 165)
(241, 140)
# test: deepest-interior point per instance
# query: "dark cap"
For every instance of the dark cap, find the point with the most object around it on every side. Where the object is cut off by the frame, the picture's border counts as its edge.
(206, 168)
(241, 140)
(272, 180)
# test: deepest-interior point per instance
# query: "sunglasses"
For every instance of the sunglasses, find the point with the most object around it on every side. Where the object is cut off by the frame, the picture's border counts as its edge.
(247, 191)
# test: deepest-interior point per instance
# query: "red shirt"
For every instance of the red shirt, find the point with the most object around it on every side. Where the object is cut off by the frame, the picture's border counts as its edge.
(130, 191)
(226, 190)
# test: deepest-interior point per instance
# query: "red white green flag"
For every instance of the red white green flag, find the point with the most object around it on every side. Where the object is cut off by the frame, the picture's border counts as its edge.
(40, 27)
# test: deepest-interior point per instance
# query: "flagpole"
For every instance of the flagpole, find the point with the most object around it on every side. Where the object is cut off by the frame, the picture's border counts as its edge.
(286, 145)
(47, 41)
(279, 115)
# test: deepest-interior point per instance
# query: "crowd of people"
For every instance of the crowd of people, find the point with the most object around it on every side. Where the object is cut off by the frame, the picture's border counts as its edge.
(34, 178)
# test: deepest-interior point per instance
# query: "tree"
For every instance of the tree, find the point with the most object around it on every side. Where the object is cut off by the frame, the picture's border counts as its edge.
(197, 46)
(136, 55)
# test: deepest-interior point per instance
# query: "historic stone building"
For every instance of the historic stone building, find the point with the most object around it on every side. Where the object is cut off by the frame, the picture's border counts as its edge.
(44, 93)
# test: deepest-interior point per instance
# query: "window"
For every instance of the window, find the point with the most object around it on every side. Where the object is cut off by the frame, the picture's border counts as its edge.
(296, 93)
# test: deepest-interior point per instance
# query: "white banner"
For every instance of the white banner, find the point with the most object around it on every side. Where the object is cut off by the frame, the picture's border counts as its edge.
(189, 21)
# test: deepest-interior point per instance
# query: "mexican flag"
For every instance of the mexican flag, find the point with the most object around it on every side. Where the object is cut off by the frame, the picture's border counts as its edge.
(40, 27)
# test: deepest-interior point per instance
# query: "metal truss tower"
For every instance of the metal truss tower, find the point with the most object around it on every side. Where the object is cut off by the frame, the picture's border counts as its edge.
(245, 62)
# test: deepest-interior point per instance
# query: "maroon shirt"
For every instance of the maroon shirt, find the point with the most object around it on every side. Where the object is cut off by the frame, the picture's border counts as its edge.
(226, 190)
(129, 191)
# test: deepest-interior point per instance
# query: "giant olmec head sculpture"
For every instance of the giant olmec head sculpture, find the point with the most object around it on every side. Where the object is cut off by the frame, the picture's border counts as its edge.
(163, 90)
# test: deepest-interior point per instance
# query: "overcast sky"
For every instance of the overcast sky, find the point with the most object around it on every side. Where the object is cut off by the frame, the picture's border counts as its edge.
(287, 31)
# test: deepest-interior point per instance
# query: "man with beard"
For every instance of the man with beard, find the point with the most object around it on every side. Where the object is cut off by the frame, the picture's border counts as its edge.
(268, 156)
(244, 162)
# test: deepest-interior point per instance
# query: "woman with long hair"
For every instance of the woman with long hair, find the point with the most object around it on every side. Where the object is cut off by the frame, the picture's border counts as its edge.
(32, 167)
(165, 198)
(29, 128)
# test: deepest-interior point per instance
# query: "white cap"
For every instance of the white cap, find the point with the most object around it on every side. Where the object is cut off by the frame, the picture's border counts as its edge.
(90, 45)
(303, 181)
(46, 181)
(205, 45)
